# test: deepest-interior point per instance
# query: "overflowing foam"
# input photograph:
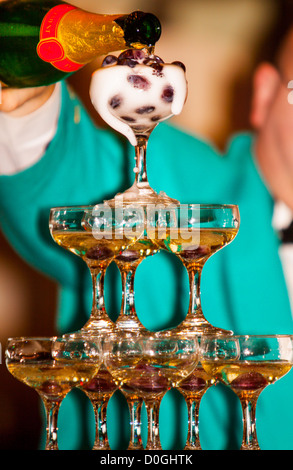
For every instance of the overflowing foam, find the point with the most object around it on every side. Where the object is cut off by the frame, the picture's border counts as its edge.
(136, 91)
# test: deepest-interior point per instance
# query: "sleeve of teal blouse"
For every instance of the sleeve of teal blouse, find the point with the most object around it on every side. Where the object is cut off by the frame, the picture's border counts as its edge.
(81, 166)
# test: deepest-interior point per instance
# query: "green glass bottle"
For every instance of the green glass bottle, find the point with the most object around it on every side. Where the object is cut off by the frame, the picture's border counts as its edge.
(44, 41)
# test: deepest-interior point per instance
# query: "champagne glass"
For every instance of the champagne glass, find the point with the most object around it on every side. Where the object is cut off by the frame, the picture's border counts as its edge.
(76, 230)
(133, 93)
(53, 367)
(194, 232)
(247, 364)
(148, 365)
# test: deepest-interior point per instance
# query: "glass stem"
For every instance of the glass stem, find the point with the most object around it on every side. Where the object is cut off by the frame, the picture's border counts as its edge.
(128, 291)
(98, 278)
(193, 441)
(141, 179)
(100, 409)
(194, 280)
(153, 408)
(99, 317)
(195, 315)
(52, 410)
(249, 424)
(195, 318)
(135, 406)
(128, 318)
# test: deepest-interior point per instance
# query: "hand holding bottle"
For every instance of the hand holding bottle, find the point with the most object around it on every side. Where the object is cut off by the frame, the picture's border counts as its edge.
(19, 102)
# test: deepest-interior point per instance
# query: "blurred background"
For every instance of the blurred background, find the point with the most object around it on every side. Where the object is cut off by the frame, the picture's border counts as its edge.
(220, 42)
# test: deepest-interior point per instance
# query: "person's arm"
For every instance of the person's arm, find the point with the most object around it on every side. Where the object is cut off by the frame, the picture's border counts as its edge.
(28, 122)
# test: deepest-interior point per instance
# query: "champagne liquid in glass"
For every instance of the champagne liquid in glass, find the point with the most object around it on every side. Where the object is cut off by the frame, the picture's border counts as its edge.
(247, 364)
(53, 367)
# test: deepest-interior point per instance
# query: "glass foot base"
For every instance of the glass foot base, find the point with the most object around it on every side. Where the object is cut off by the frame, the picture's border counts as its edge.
(94, 328)
(188, 328)
(130, 328)
(135, 447)
(142, 195)
(101, 446)
(153, 447)
(191, 447)
(250, 447)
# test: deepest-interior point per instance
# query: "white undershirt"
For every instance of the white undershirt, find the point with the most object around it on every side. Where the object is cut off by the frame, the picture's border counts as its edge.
(23, 140)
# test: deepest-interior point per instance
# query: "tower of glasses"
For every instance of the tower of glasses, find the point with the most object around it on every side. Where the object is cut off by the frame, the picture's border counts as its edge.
(133, 93)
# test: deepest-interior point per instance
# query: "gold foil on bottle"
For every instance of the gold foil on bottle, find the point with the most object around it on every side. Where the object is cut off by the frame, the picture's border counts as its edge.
(84, 35)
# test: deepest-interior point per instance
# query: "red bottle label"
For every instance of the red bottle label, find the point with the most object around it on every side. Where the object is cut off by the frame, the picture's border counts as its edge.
(49, 48)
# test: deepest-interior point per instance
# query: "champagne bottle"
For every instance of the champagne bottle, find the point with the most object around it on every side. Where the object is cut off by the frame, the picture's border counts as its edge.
(44, 41)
